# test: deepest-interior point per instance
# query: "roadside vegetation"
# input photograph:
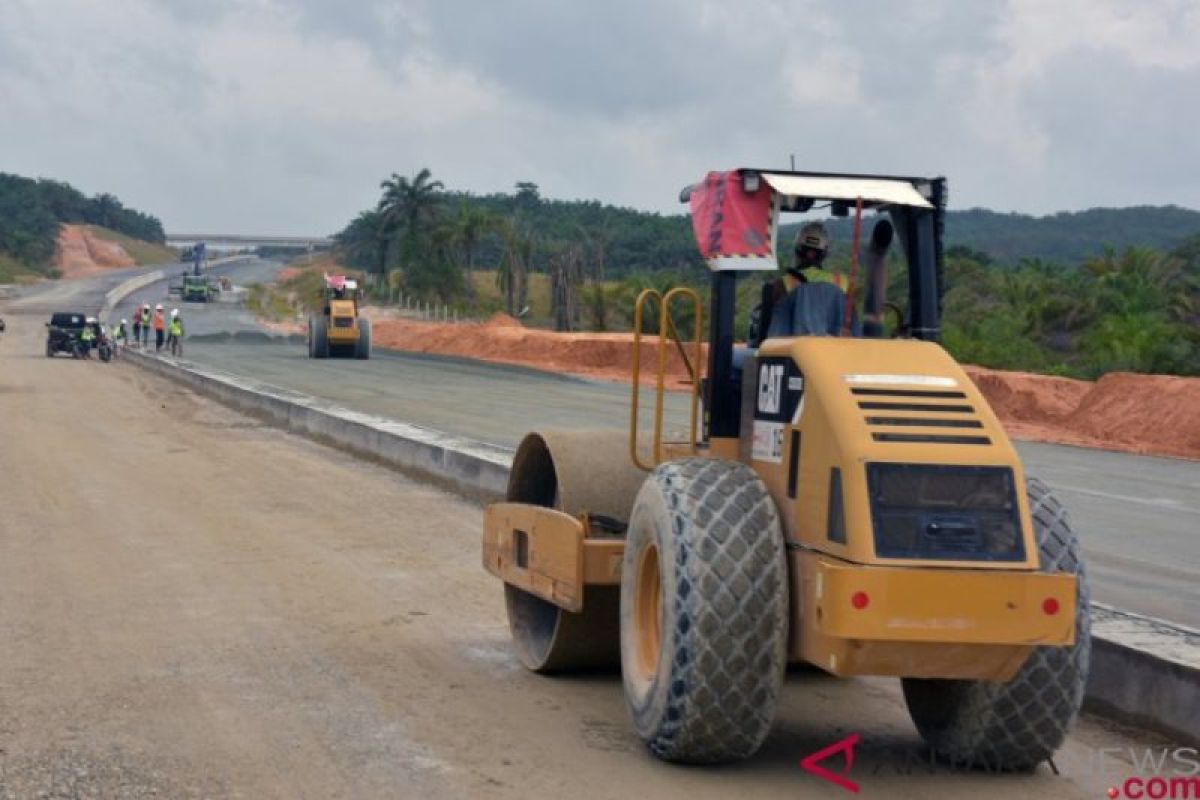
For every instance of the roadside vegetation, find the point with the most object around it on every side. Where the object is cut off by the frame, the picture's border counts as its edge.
(31, 212)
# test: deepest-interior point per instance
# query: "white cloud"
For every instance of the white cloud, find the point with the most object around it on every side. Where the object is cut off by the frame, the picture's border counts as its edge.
(271, 116)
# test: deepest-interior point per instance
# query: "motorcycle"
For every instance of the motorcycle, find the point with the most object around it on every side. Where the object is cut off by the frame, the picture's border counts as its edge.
(80, 348)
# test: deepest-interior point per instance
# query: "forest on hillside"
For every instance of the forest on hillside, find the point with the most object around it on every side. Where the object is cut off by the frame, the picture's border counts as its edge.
(1073, 294)
(31, 212)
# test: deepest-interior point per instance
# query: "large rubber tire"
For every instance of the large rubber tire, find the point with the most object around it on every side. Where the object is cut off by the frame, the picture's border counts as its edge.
(318, 337)
(362, 349)
(1018, 724)
(704, 611)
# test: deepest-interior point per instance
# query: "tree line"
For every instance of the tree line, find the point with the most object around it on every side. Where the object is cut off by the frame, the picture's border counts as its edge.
(1136, 310)
(1084, 309)
(31, 212)
(426, 241)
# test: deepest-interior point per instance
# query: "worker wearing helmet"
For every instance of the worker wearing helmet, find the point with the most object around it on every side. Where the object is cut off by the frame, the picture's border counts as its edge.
(87, 337)
(160, 328)
(816, 302)
(175, 333)
(811, 249)
(145, 326)
(120, 336)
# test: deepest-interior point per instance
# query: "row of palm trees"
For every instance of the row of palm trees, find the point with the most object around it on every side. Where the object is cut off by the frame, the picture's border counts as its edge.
(415, 241)
(412, 240)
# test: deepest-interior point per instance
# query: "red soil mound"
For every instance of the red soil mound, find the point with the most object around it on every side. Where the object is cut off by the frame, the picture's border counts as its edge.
(504, 339)
(1150, 414)
(502, 320)
(80, 253)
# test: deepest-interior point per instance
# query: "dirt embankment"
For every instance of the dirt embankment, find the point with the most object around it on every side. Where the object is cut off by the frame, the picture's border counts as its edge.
(1147, 414)
(81, 253)
(608, 356)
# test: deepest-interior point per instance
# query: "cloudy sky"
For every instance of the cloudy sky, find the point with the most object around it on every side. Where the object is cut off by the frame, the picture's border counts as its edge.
(267, 116)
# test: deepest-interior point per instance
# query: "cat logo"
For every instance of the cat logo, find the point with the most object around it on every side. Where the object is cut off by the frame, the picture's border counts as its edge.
(770, 388)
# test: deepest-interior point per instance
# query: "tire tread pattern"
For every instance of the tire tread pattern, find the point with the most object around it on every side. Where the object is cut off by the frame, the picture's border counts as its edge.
(1018, 724)
(729, 612)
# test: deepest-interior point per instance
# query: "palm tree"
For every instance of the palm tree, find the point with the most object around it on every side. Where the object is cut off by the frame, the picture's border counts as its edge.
(408, 208)
(364, 242)
(513, 272)
(470, 226)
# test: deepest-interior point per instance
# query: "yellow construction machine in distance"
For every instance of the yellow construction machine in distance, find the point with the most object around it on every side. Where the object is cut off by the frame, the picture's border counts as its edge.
(339, 330)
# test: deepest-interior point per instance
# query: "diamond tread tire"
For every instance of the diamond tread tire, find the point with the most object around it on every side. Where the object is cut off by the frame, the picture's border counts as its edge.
(362, 348)
(318, 337)
(1018, 724)
(704, 611)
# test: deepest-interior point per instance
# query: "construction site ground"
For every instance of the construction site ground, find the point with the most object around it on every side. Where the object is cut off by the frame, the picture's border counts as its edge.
(195, 605)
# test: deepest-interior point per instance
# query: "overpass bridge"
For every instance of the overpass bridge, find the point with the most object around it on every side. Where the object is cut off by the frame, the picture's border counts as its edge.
(236, 241)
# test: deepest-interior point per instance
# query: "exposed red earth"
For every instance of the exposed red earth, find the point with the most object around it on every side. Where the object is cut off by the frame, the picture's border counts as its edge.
(81, 254)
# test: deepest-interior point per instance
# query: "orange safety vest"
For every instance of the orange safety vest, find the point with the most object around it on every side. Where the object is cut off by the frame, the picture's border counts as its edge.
(158, 320)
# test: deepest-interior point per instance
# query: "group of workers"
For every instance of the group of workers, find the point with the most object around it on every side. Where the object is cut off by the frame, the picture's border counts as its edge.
(167, 332)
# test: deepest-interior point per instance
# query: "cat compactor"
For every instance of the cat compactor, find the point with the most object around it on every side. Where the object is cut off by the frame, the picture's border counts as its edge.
(848, 501)
(339, 330)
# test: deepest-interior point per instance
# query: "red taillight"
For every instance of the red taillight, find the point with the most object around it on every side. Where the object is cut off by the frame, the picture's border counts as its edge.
(860, 600)
(1050, 606)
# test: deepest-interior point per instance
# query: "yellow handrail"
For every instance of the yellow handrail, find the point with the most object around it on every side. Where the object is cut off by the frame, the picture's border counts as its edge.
(667, 331)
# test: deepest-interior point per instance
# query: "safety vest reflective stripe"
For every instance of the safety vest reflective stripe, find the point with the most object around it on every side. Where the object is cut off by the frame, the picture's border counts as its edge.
(818, 275)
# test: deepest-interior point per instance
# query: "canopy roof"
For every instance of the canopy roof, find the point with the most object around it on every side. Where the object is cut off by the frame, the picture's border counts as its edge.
(735, 213)
(835, 187)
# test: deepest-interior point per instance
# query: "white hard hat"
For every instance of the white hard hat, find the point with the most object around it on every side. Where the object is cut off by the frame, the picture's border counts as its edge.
(123, 322)
(813, 235)
(174, 312)
(158, 307)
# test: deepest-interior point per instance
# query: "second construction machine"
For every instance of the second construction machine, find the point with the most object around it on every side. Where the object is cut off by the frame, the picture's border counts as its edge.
(339, 329)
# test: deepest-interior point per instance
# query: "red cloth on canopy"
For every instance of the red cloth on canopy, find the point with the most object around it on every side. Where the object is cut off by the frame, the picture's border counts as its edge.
(728, 221)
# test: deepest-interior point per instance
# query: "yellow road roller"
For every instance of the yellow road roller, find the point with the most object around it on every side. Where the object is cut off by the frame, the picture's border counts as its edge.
(842, 496)
(339, 330)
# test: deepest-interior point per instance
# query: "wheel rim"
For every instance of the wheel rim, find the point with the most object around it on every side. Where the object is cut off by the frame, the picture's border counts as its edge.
(648, 613)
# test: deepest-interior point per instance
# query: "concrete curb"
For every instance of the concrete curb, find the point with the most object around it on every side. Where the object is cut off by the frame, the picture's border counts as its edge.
(122, 290)
(1145, 671)
(472, 469)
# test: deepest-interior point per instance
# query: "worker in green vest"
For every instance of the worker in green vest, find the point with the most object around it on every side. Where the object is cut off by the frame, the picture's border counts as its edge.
(87, 336)
(175, 333)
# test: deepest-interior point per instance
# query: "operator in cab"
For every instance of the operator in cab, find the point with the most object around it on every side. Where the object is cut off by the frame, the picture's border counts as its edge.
(808, 300)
